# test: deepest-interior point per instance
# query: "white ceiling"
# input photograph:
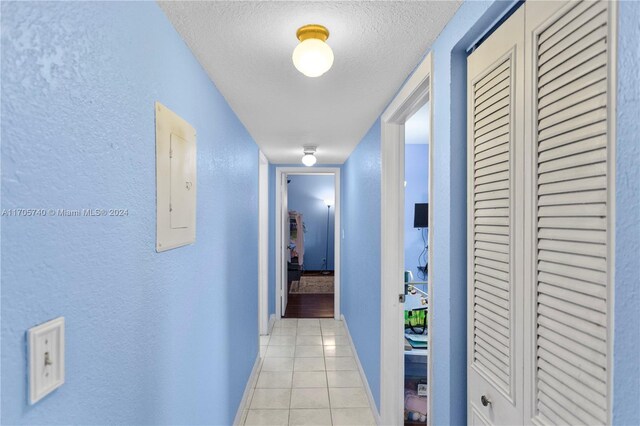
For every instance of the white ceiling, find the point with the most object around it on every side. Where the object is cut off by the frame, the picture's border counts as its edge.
(246, 47)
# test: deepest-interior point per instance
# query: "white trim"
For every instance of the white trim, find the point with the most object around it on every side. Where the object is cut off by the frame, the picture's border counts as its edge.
(411, 97)
(335, 171)
(365, 382)
(263, 244)
(244, 402)
(272, 321)
(612, 111)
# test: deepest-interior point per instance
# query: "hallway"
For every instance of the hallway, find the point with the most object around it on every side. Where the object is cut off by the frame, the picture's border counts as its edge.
(145, 149)
(308, 376)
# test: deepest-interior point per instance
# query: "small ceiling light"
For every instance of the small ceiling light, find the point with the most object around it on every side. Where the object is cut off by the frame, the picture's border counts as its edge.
(328, 202)
(312, 57)
(309, 158)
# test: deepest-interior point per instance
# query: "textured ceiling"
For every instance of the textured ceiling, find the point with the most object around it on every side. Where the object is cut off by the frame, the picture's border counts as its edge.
(246, 49)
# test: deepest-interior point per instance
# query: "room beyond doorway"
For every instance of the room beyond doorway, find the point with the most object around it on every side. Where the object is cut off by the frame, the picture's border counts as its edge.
(302, 305)
(307, 242)
(309, 252)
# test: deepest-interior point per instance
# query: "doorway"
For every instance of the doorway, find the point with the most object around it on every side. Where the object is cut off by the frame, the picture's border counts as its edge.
(416, 267)
(413, 96)
(310, 246)
(307, 242)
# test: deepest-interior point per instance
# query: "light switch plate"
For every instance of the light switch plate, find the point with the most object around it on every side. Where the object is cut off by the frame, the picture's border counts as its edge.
(46, 358)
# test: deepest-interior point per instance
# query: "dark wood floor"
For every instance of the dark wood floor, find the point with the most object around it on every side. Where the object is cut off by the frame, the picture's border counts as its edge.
(309, 305)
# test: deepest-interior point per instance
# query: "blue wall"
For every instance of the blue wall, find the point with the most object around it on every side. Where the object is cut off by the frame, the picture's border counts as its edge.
(306, 195)
(360, 253)
(416, 174)
(150, 337)
(626, 366)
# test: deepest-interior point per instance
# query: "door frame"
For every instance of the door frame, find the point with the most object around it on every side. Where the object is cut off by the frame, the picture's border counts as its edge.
(415, 93)
(263, 244)
(280, 276)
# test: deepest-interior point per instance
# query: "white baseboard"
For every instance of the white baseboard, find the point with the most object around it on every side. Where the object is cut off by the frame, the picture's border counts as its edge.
(372, 402)
(244, 402)
(272, 320)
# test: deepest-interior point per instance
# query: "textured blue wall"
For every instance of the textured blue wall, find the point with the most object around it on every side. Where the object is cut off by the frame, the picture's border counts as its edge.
(416, 174)
(360, 253)
(150, 337)
(626, 366)
(306, 195)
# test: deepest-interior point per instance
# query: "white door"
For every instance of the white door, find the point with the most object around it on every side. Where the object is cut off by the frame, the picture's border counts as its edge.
(286, 232)
(495, 277)
(541, 196)
(570, 162)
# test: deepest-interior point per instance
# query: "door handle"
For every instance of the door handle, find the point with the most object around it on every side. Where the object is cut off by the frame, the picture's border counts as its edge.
(485, 401)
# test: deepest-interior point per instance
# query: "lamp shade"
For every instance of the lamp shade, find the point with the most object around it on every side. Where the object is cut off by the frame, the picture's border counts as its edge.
(313, 57)
(309, 160)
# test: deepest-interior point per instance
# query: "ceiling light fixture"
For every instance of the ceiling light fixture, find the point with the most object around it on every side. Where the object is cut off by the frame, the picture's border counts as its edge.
(313, 56)
(309, 157)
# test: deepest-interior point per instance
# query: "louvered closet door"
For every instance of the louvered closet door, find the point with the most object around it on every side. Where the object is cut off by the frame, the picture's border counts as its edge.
(570, 217)
(495, 137)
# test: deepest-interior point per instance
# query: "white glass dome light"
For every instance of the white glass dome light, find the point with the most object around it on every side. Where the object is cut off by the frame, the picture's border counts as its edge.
(309, 157)
(313, 56)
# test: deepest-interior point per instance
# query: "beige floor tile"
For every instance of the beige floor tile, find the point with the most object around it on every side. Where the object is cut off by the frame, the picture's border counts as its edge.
(352, 417)
(337, 351)
(264, 340)
(310, 398)
(309, 351)
(277, 364)
(274, 379)
(344, 379)
(308, 364)
(267, 418)
(308, 322)
(310, 417)
(347, 398)
(309, 331)
(270, 398)
(282, 341)
(280, 351)
(286, 323)
(309, 379)
(285, 331)
(334, 332)
(333, 341)
(339, 363)
(308, 340)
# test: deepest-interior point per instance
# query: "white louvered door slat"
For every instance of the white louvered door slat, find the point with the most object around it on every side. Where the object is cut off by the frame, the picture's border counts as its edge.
(568, 147)
(495, 81)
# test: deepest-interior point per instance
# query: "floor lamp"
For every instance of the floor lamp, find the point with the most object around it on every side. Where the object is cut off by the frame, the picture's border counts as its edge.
(326, 252)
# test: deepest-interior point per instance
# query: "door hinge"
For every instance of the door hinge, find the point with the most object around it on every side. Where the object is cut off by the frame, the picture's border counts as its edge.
(401, 298)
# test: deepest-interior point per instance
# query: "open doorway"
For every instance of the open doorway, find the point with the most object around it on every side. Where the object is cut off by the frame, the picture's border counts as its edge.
(310, 251)
(416, 266)
(307, 242)
(406, 367)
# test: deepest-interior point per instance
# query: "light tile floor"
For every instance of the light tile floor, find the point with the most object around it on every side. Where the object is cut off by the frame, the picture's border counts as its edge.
(308, 376)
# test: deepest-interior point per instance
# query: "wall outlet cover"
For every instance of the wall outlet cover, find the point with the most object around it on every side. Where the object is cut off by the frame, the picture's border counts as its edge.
(46, 358)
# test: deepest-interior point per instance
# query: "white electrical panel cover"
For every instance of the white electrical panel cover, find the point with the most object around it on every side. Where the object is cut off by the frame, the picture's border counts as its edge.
(175, 179)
